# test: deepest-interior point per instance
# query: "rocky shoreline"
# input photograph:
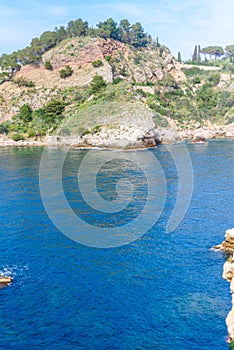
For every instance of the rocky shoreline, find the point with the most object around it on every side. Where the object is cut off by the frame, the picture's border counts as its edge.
(227, 246)
(7, 142)
(125, 137)
(128, 137)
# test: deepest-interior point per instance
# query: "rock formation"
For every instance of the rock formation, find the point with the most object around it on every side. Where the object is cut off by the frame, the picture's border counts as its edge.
(228, 244)
(5, 281)
(228, 274)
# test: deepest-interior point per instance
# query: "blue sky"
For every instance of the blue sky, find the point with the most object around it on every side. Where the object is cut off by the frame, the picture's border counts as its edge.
(180, 25)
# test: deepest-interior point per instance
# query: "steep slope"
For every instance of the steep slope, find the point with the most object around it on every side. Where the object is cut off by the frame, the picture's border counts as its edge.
(146, 96)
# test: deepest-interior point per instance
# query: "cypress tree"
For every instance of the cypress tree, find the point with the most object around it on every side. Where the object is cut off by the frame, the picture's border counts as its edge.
(179, 57)
(195, 55)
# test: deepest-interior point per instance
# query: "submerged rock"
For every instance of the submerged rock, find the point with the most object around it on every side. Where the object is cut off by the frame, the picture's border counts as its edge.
(5, 281)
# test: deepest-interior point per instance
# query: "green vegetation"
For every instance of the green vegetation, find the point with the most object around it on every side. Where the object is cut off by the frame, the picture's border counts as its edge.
(30, 124)
(48, 65)
(22, 81)
(97, 84)
(97, 63)
(66, 72)
(86, 109)
(125, 32)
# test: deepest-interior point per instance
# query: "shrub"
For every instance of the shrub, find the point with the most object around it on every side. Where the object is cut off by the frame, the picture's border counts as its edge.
(109, 59)
(66, 72)
(196, 80)
(214, 78)
(22, 81)
(17, 137)
(117, 80)
(4, 127)
(2, 100)
(97, 63)
(48, 65)
(123, 71)
(97, 84)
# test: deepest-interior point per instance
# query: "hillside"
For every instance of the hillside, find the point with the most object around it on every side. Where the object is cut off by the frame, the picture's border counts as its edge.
(142, 96)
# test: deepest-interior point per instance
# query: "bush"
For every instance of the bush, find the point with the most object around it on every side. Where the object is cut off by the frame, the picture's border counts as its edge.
(66, 72)
(123, 71)
(196, 80)
(48, 65)
(97, 63)
(109, 59)
(4, 127)
(22, 81)
(97, 84)
(117, 80)
(214, 78)
(17, 137)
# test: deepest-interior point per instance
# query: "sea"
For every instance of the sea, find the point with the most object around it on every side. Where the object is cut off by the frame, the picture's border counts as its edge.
(112, 249)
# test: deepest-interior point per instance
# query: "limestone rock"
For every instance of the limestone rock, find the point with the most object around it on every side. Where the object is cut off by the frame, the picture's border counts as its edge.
(228, 274)
(228, 244)
(5, 281)
(230, 324)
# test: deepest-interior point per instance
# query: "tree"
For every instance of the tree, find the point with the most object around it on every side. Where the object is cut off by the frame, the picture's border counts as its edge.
(97, 84)
(108, 29)
(124, 30)
(61, 33)
(137, 35)
(216, 51)
(157, 42)
(199, 54)
(179, 57)
(25, 113)
(48, 40)
(195, 54)
(54, 110)
(77, 28)
(230, 50)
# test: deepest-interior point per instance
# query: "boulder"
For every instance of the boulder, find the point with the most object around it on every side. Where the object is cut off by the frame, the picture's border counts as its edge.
(5, 281)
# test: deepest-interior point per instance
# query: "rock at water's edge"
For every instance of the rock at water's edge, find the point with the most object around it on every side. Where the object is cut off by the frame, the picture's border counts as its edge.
(5, 281)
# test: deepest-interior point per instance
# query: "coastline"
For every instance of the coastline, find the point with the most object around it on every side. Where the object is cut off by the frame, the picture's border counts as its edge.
(9, 143)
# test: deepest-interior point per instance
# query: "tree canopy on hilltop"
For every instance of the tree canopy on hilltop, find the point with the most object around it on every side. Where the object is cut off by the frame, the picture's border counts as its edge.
(125, 32)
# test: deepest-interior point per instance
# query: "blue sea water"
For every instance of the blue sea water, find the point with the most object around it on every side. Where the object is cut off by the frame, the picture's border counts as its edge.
(161, 291)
